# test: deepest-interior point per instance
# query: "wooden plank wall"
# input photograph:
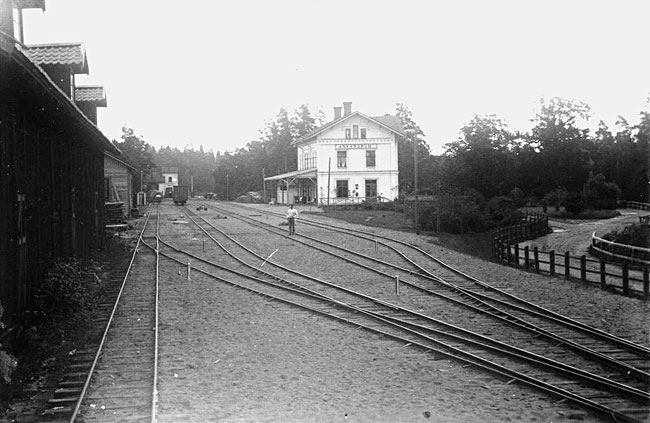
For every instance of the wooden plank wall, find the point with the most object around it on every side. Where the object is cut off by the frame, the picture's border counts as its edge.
(52, 162)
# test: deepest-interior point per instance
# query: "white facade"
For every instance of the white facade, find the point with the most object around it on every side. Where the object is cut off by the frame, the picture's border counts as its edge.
(357, 156)
(170, 181)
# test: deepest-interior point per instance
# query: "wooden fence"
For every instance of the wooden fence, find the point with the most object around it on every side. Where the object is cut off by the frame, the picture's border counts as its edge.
(619, 278)
(630, 254)
(636, 205)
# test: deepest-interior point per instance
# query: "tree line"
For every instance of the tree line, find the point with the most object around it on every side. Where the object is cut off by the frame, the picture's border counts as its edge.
(558, 155)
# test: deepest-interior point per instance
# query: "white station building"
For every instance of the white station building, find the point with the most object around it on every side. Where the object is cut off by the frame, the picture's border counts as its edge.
(350, 159)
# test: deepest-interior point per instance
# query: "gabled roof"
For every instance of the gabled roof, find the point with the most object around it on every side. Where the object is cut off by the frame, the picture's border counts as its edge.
(112, 157)
(390, 122)
(90, 94)
(20, 58)
(169, 169)
(61, 54)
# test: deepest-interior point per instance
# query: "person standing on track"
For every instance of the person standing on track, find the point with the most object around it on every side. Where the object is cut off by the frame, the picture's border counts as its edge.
(291, 218)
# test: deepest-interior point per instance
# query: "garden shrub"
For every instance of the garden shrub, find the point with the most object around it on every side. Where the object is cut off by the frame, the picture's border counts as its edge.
(555, 198)
(458, 214)
(574, 202)
(8, 362)
(637, 234)
(502, 211)
(601, 194)
(64, 291)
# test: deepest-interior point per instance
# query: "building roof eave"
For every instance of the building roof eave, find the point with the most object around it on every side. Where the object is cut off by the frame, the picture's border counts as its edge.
(304, 173)
(39, 75)
(317, 131)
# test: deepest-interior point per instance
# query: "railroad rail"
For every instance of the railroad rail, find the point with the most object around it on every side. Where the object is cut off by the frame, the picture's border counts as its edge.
(121, 383)
(637, 389)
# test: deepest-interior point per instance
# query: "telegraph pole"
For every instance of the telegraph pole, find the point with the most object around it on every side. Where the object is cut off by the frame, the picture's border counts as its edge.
(415, 182)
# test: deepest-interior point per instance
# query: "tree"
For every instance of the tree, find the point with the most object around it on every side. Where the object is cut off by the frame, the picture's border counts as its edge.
(274, 153)
(405, 149)
(563, 148)
(135, 151)
(482, 157)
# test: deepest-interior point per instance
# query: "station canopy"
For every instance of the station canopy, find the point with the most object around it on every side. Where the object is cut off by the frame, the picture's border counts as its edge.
(296, 174)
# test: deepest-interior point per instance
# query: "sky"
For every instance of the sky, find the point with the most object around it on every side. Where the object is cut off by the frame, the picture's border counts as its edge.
(212, 73)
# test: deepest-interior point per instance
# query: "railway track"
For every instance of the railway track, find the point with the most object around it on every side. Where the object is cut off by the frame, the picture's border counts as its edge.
(617, 380)
(453, 285)
(115, 381)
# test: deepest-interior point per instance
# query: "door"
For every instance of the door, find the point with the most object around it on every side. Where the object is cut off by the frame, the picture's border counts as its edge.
(371, 189)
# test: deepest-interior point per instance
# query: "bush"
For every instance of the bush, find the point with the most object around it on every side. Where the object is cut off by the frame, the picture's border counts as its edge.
(574, 202)
(458, 214)
(502, 211)
(8, 362)
(637, 234)
(601, 194)
(518, 196)
(64, 291)
(555, 198)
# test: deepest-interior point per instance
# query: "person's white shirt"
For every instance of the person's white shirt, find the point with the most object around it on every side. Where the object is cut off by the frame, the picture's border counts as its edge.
(292, 213)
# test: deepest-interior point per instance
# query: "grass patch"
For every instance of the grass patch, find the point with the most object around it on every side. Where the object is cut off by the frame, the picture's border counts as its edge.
(475, 244)
(563, 214)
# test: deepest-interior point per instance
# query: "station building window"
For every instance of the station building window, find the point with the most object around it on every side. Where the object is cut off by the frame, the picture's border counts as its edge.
(341, 189)
(363, 133)
(370, 158)
(348, 133)
(342, 159)
(355, 131)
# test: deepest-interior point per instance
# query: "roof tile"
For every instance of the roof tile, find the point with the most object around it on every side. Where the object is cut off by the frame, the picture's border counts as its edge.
(90, 94)
(70, 54)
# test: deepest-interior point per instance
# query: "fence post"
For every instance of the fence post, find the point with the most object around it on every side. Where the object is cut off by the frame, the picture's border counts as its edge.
(567, 265)
(536, 258)
(509, 255)
(516, 255)
(526, 257)
(626, 280)
(646, 283)
(583, 267)
(551, 262)
(603, 275)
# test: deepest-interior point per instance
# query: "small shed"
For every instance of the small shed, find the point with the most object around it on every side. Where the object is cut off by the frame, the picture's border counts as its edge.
(118, 182)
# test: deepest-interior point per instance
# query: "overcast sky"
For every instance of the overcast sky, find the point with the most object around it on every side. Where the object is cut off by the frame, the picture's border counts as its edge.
(213, 72)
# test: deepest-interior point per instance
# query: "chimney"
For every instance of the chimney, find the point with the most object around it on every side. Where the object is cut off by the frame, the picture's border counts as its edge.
(7, 25)
(347, 108)
(337, 112)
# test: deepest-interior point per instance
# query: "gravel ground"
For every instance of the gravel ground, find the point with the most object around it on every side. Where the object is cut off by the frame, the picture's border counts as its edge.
(249, 359)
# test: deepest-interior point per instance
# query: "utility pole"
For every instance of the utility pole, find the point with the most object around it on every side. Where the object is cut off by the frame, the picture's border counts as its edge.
(415, 182)
(264, 184)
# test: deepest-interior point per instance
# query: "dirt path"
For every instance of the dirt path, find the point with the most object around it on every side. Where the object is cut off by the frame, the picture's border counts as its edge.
(574, 236)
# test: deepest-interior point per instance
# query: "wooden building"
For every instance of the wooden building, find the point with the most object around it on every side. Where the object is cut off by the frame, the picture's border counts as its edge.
(51, 159)
(118, 183)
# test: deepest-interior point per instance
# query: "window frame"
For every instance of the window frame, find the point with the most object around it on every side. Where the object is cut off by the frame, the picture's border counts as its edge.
(371, 154)
(342, 159)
